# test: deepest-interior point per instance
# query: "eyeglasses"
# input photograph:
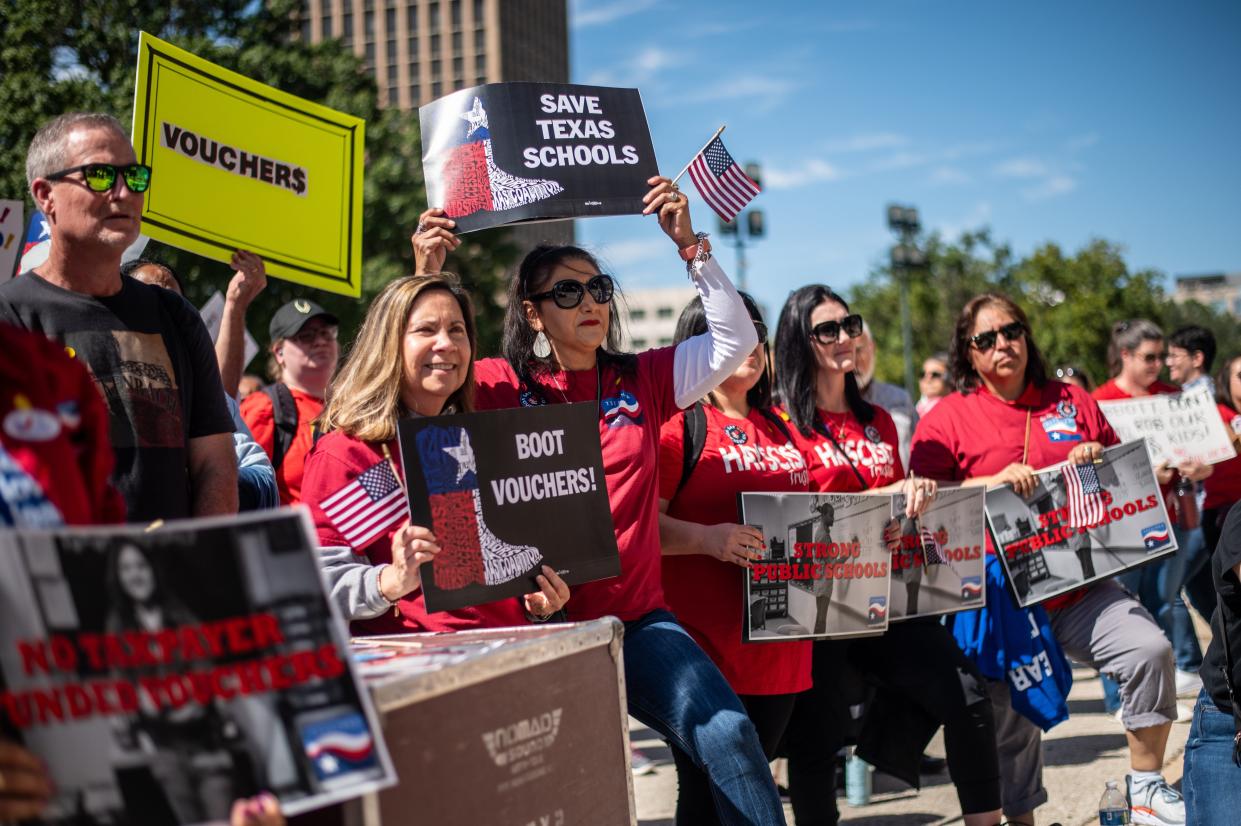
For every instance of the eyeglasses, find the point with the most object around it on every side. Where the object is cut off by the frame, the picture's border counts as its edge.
(569, 293)
(307, 338)
(828, 332)
(1065, 372)
(101, 177)
(1012, 331)
(761, 329)
(1149, 358)
(934, 375)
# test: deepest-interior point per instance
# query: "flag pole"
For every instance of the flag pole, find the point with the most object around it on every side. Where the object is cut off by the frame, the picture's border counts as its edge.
(696, 154)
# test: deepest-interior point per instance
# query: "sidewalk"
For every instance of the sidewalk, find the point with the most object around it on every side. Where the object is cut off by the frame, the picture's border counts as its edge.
(1081, 755)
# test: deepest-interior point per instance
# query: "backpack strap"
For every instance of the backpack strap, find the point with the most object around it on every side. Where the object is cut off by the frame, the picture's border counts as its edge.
(284, 413)
(780, 422)
(695, 429)
(827, 431)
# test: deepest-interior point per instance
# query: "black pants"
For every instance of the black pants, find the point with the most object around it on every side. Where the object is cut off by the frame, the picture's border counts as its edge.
(770, 714)
(919, 661)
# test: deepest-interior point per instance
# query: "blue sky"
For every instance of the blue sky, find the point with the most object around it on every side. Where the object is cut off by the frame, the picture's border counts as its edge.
(1055, 121)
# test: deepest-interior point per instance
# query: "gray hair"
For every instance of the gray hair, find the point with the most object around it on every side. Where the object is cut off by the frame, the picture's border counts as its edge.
(1129, 335)
(47, 148)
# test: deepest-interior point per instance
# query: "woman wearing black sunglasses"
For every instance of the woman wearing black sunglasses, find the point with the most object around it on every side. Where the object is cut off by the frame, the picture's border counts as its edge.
(924, 681)
(561, 344)
(1005, 420)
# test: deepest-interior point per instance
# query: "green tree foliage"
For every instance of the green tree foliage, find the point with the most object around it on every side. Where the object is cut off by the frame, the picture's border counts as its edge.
(1072, 300)
(58, 56)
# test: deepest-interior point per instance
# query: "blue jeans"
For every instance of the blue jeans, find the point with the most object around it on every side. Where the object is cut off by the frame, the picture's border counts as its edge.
(1158, 587)
(1212, 783)
(675, 689)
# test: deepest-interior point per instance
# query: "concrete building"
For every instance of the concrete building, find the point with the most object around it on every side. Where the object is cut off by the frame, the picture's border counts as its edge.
(651, 316)
(421, 50)
(1220, 291)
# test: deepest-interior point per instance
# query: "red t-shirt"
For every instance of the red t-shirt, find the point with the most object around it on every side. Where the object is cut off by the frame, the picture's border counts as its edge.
(706, 594)
(1223, 486)
(871, 449)
(54, 425)
(634, 408)
(336, 461)
(257, 410)
(980, 434)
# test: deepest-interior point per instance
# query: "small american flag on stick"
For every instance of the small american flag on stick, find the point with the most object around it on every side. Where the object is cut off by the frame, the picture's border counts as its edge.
(1085, 495)
(720, 181)
(367, 506)
(932, 551)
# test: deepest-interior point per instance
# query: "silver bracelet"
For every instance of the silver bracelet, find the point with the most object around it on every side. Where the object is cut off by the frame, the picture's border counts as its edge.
(701, 256)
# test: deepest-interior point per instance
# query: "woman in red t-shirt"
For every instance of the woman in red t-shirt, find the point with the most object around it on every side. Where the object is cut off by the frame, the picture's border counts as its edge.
(561, 344)
(1223, 487)
(925, 681)
(745, 447)
(1006, 420)
(412, 357)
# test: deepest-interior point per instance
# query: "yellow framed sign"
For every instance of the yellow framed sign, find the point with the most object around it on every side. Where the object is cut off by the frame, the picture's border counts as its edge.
(237, 164)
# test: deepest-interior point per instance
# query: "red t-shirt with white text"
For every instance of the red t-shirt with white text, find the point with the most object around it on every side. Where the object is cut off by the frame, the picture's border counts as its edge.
(738, 455)
(634, 406)
(871, 449)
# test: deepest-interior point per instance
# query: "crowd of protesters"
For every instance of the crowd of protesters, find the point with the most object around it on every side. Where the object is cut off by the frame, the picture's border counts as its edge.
(130, 416)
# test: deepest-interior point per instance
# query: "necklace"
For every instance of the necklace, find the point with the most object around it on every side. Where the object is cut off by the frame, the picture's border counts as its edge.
(837, 421)
(561, 390)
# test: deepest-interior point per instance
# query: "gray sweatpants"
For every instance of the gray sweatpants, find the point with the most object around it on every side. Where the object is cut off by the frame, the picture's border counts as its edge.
(1109, 631)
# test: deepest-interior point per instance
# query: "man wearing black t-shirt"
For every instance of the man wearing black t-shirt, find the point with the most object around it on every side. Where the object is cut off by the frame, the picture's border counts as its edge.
(146, 348)
(1212, 782)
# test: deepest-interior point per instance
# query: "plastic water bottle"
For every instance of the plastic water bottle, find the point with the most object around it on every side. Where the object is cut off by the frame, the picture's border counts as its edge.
(1113, 807)
(857, 780)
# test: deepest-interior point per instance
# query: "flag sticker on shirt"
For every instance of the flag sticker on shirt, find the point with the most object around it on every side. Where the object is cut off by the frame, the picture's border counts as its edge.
(1085, 495)
(1061, 428)
(368, 506)
(1155, 536)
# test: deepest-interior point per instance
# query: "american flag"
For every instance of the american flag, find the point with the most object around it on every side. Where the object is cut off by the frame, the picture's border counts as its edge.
(720, 181)
(367, 506)
(932, 551)
(1086, 506)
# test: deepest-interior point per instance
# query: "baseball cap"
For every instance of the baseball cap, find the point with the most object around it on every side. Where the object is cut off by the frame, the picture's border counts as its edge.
(292, 317)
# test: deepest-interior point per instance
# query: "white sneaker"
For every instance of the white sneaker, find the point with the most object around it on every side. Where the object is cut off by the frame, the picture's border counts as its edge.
(1188, 684)
(1155, 803)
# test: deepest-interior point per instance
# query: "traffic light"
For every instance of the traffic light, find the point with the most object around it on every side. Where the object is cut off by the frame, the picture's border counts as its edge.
(755, 219)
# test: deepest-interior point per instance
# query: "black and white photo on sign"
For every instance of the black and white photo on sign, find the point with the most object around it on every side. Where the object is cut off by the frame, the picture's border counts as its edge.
(1180, 427)
(506, 492)
(1081, 524)
(504, 153)
(826, 569)
(938, 566)
(162, 675)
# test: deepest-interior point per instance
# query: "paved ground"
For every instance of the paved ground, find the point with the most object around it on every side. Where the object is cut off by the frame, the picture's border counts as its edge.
(1081, 754)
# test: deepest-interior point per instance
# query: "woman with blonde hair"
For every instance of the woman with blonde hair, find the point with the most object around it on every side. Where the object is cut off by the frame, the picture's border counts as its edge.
(412, 357)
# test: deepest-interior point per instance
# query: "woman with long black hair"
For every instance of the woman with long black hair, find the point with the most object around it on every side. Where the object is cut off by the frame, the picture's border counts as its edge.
(731, 442)
(561, 345)
(851, 446)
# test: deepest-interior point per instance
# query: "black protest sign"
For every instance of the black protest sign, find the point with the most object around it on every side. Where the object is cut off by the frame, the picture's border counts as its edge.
(505, 492)
(163, 674)
(1081, 524)
(504, 153)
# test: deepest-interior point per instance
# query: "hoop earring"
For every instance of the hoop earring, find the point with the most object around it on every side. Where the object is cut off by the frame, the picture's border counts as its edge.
(542, 347)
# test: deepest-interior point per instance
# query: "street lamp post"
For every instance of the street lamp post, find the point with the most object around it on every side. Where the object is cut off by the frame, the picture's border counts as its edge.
(755, 227)
(906, 257)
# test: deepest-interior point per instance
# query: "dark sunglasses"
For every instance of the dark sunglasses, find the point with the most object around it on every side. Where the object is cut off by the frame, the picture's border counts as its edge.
(569, 293)
(101, 177)
(1151, 358)
(932, 374)
(761, 329)
(829, 331)
(1065, 372)
(1013, 331)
